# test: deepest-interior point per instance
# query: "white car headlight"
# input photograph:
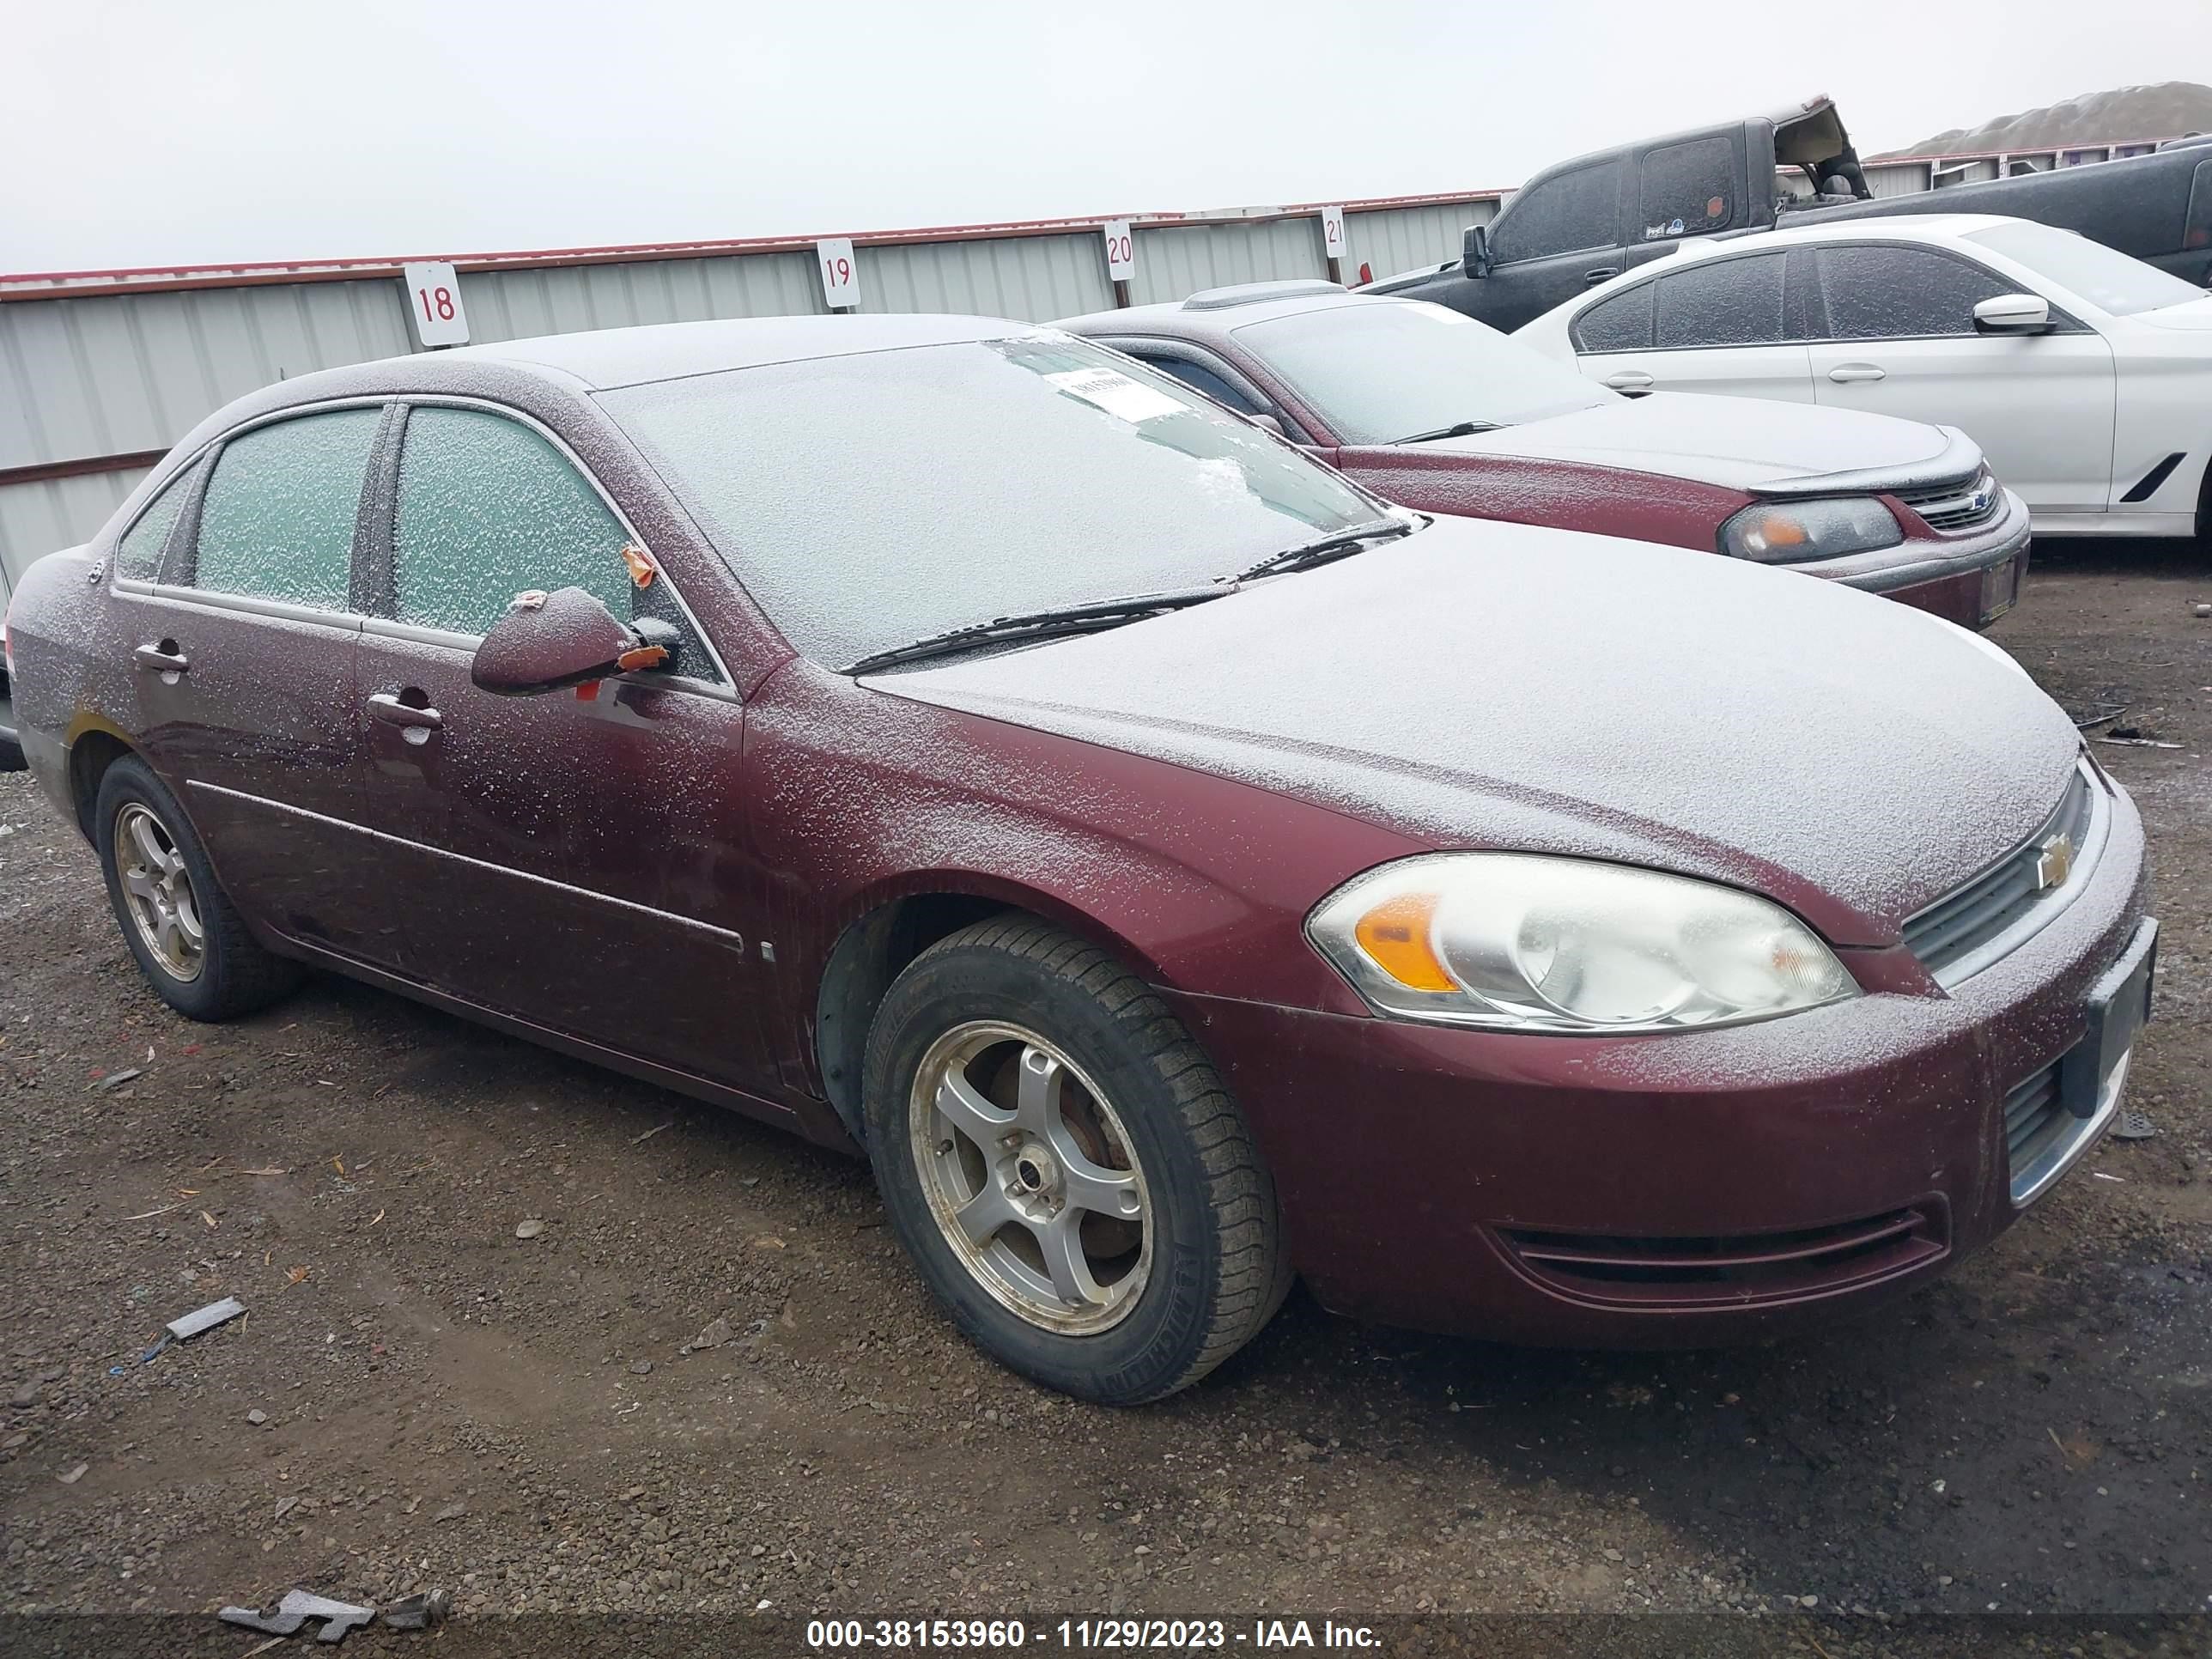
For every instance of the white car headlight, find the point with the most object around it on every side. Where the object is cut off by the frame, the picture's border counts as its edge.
(1790, 533)
(1520, 942)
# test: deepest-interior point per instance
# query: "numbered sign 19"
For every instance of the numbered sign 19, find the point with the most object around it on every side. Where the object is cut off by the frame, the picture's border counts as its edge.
(1121, 251)
(1331, 232)
(434, 298)
(841, 274)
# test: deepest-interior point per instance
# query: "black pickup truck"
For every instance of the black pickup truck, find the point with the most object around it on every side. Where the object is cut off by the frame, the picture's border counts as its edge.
(1585, 220)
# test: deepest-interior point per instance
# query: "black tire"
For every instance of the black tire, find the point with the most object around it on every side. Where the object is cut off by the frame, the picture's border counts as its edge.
(235, 974)
(1219, 1264)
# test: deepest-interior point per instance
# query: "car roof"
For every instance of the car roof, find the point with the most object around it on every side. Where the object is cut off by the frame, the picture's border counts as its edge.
(1212, 321)
(1905, 226)
(606, 358)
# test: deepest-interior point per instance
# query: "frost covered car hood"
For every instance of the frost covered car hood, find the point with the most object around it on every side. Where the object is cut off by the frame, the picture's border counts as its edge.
(1505, 685)
(1738, 443)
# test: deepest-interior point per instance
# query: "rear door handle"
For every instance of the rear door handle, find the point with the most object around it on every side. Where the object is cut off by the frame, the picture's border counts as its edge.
(163, 659)
(1629, 379)
(1592, 278)
(1844, 374)
(384, 705)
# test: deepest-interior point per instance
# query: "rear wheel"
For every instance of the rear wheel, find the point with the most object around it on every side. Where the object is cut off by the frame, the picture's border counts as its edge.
(1065, 1168)
(190, 941)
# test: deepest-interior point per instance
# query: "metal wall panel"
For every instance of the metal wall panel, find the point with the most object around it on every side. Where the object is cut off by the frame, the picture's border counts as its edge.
(109, 376)
(1031, 278)
(1175, 261)
(1887, 179)
(36, 518)
(1393, 240)
(520, 305)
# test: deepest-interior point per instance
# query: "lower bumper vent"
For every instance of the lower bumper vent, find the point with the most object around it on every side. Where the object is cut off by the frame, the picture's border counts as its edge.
(1743, 1270)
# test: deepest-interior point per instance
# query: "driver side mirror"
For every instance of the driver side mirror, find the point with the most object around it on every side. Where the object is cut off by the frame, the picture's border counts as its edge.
(547, 642)
(1474, 251)
(2013, 313)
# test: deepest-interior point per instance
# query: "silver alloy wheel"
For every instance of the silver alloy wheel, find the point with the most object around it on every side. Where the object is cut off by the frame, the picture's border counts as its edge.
(1031, 1176)
(157, 889)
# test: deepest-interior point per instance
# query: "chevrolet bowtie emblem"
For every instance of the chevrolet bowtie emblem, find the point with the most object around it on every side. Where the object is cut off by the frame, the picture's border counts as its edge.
(2055, 864)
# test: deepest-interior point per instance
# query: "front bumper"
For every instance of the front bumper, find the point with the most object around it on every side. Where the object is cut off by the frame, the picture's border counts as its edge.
(1971, 579)
(1672, 1189)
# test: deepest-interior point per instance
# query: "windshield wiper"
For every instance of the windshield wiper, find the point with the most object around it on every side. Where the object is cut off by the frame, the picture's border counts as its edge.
(1340, 544)
(1464, 430)
(1087, 617)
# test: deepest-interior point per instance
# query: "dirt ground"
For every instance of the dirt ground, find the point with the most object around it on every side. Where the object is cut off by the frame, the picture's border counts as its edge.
(420, 1396)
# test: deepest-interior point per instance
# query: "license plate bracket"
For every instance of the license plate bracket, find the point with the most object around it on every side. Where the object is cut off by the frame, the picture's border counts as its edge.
(2117, 1007)
(2000, 587)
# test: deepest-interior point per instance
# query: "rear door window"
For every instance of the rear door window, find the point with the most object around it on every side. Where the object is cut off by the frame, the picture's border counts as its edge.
(1876, 292)
(277, 522)
(1722, 303)
(1565, 213)
(139, 553)
(1622, 323)
(1686, 190)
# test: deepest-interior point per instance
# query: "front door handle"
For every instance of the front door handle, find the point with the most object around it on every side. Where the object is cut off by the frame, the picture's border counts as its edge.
(384, 705)
(1845, 373)
(1592, 278)
(162, 658)
(1629, 379)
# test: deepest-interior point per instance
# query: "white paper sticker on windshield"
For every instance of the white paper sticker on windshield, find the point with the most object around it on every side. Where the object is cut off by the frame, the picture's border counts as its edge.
(1117, 394)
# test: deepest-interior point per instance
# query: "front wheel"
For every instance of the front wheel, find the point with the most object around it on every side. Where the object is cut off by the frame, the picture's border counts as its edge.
(1065, 1168)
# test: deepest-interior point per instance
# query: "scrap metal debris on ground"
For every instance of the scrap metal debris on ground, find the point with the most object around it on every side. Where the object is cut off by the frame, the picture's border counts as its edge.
(423, 1610)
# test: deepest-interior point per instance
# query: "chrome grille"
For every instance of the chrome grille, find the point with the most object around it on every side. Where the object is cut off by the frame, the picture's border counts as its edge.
(1958, 504)
(1964, 921)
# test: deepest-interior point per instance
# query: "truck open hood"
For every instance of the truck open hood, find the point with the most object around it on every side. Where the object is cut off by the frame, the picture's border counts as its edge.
(1738, 443)
(1502, 685)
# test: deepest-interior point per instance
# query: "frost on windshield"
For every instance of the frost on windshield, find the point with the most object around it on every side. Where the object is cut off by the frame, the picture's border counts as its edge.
(869, 501)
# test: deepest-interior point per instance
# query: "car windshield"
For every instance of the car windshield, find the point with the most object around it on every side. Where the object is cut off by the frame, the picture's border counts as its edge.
(869, 501)
(2105, 277)
(1383, 371)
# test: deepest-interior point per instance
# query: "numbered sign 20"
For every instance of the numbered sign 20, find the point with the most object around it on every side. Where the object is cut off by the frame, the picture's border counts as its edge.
(841, 273)
(1121, 250)
(434, 298)
(1331, 232)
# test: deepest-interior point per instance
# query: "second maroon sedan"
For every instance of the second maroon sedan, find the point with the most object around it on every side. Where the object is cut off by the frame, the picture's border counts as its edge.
(1431, 409)
(1171, 867)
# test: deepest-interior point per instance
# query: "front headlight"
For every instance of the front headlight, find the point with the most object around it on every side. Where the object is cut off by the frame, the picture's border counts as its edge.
(1519, 942)
(1790, 532)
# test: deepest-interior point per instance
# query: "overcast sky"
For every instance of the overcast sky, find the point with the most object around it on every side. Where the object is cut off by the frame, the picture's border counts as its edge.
(233, 131)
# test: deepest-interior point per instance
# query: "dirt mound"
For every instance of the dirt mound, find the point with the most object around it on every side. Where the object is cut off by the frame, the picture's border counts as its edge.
(2164, 111)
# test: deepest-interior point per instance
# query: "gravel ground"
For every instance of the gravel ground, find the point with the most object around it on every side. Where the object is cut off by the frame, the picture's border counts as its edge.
(706, 1380)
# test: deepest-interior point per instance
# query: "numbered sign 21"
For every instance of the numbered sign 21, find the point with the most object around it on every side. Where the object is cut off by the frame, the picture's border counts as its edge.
(841, 273)
(434, 298)
(1121, 251)
(1332, 232)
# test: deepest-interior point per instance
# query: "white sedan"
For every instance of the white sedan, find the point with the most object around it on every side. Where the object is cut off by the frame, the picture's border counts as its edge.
(2085, 375)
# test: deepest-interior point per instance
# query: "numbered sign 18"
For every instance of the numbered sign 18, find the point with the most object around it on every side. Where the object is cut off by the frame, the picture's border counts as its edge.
(1121, 250)
(1331, 232)
(434, 298)
(841, 274)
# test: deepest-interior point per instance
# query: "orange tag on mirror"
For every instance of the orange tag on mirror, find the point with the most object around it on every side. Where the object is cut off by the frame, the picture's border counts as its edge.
(642, 569)
(646, 656)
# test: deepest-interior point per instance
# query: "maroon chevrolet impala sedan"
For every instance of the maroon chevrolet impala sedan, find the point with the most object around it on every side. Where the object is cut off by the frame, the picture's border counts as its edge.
(1432, 410)
(1174, 869)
